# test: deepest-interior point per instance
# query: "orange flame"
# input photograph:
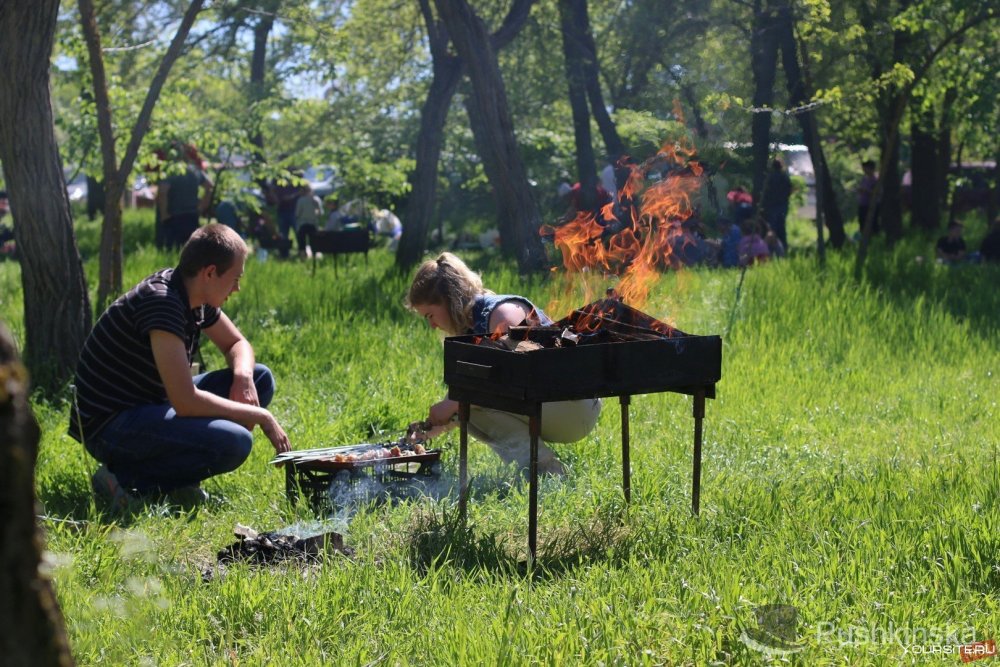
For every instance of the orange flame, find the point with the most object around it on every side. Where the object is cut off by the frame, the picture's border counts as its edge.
(643, 233)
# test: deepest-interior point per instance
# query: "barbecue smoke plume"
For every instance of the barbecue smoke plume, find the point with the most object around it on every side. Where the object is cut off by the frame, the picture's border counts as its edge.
(348, 493)
(641, 232)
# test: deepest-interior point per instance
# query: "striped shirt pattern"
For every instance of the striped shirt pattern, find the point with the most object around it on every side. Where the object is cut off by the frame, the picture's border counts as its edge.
(117, 370)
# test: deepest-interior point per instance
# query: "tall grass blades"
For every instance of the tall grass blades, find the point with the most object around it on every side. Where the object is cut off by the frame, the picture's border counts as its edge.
(850, 472)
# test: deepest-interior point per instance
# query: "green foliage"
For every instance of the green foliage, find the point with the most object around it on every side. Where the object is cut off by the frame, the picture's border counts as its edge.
(850, 470)
(644, 134)
(345, 82)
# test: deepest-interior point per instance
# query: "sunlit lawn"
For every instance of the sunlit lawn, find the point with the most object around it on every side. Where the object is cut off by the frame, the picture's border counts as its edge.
(850, 471)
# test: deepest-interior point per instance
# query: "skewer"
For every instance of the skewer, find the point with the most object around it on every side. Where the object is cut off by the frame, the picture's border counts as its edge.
(305, 455)
(319, 453)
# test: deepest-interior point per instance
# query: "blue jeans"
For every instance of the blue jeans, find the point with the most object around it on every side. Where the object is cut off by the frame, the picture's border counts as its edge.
(286, 223)
(177, 229)
(152, 450)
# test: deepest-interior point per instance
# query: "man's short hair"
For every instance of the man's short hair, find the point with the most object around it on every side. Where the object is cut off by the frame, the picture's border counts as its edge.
(212, 244)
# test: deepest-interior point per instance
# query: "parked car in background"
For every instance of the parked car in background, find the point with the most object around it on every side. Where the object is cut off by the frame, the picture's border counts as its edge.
(323, 180)
(77, 188)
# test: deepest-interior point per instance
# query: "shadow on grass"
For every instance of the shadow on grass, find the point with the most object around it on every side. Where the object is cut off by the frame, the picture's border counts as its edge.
(69, 498)
(966, 291)
(439, 537)
(65, 494)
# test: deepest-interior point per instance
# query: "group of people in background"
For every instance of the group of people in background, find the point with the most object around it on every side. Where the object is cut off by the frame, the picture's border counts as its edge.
(297, 208)
(952, 248)
(749, 234)
(746, 235)
(288, 207)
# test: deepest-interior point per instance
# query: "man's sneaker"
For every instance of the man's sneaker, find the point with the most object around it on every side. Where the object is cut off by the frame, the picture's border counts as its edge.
(106, 486)
(188, 496)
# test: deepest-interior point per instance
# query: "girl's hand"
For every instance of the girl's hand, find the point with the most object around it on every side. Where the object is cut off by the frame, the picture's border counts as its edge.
(442, 412)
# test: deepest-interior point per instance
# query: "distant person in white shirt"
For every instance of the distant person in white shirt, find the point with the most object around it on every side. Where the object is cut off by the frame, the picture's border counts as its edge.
(387, 224)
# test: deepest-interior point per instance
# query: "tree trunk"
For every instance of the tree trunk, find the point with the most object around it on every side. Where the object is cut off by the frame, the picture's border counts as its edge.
(110, 280)
(57, 315)
(447, 74)
(423, 180)
(952, 200)
(480, 133)
(116, 175)
(807, 121)
(574, 53)
(31, 624)
(518, 212)
(613, 145)
(890, 208)
(993, 203)
(764, 63)
(925, 198)
(694, 104)
(258, 70)
(943, 148)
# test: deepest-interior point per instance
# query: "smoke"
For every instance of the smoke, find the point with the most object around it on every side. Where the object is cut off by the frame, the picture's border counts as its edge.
(349, 493)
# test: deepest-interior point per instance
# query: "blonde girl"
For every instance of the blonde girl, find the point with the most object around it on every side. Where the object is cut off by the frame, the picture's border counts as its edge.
(451, 297)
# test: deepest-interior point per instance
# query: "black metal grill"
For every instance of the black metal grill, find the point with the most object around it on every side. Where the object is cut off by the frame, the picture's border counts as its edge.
(314, 479)
(610, 350)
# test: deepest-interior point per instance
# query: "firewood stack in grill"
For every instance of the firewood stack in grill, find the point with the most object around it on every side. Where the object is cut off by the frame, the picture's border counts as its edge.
(605, 321)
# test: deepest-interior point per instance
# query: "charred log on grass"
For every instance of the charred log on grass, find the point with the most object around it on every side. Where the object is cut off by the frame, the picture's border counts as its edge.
(31, 624)
(271, 547)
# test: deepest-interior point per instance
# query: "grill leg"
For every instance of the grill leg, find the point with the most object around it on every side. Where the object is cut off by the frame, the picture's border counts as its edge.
(626, 460)
(291, 484)
(463, 458)
(535, 429)
(699, 416)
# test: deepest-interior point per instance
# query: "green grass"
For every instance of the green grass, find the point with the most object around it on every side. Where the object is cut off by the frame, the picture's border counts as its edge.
(850, 470)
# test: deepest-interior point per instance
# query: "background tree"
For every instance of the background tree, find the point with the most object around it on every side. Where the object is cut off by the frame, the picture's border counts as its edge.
(764, 33)
(582, 75)
(446, 73)
(344, 84)
(797, 101)
(949, 25)
(57, 313)
(518, 214)
(115, 174)
(446, 76)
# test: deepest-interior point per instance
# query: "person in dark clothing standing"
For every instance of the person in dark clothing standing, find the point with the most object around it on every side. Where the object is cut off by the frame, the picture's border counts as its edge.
(774, 202)
(866, 192)
(138, 411)
(178, 202)
(285, 196)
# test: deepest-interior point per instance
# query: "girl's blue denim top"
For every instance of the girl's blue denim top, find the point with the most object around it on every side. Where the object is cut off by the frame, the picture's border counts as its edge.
(484, 305)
